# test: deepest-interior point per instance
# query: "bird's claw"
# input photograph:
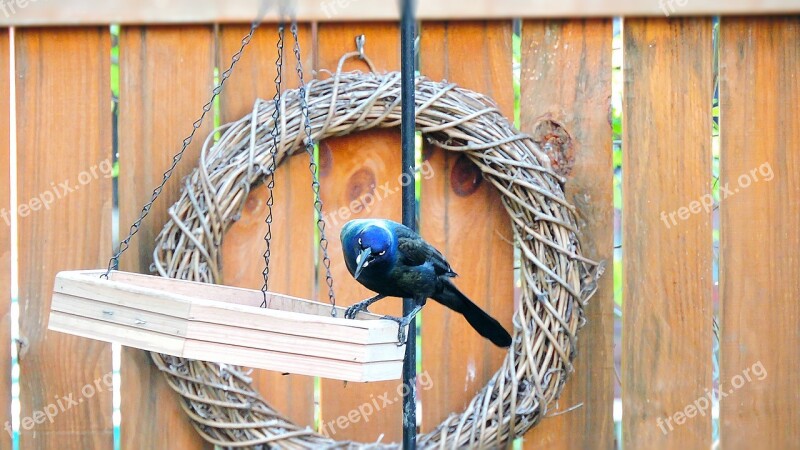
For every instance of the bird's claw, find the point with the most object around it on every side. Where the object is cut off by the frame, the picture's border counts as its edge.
(402, 323)
(353, 310)
(401, 336)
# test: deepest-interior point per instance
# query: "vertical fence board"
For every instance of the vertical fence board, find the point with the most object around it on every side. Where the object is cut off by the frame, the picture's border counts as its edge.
(351, 167)
(566, 78)
(667, 310)
(456, 358)
(292, 245)
(166, 75)
(64, 133)
(760, 165)
(5, 240)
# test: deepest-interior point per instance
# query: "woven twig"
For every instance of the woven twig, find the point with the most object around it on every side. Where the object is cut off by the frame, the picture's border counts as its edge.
(556, 280)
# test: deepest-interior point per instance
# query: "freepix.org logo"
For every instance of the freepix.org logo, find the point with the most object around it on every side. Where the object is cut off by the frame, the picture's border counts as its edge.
(668, 6)
(10, 7)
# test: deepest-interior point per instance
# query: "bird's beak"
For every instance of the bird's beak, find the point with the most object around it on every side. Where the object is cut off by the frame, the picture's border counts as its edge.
(361, 261)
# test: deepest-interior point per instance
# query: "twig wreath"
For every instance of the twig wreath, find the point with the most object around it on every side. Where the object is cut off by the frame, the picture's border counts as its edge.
(556, 279)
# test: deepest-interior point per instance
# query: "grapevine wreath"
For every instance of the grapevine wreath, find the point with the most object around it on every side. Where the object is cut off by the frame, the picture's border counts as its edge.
(556, 280)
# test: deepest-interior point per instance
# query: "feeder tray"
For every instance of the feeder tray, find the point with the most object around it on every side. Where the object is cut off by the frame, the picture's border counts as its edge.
(226, 325)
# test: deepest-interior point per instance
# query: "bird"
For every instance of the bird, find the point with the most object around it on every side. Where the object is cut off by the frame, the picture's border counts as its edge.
(392, 260)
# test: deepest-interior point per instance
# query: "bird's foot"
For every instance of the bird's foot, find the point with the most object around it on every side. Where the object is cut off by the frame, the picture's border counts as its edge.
(402, 323)
(352, 311)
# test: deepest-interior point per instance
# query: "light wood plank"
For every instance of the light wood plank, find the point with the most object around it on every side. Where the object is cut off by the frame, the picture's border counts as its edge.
(292, 257)
(221, 326)
(667, 309)
(166, 75)
(760, 232)
(116, 293)
(566, 78)
(5, 238)
(73, 12)
(124, 316)
(352, 167)
(283, 314)
(170, 295)
(456, 357)
(236, 350)
(115, 332)
(329, 369)
(64, 130)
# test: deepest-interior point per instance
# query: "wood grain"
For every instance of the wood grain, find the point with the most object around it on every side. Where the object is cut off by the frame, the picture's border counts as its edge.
(151, 305)
(166, 75)
(292, 249)
(759, 237)
(72, 12)
(64, 133)
(667, 306)
(462, 215)
(352, 169)
(566, 78)
(5, 238)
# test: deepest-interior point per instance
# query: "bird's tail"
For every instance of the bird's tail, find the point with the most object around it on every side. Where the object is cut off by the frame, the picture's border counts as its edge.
(482, 322)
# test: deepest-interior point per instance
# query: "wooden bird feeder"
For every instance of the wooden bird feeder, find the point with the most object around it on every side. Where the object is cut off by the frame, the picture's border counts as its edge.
(226, 325)
(223, 324)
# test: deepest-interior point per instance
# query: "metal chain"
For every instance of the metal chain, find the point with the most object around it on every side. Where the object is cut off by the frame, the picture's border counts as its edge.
(113, 263)
(312, 166)
(276, 115)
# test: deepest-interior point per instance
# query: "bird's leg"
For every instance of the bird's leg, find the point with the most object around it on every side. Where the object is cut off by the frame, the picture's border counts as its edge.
(403, 322)
(350, 312)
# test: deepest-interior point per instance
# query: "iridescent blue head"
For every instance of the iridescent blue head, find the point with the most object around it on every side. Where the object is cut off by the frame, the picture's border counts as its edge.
(367, 244)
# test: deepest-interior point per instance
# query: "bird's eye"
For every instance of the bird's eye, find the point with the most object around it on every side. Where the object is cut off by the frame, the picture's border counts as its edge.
(359, 241)
(382, 253)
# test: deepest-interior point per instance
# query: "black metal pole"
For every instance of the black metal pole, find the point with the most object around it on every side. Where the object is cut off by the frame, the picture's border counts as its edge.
(407, 137)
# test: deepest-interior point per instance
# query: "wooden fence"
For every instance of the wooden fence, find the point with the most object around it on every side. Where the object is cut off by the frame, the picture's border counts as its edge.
(64, 128)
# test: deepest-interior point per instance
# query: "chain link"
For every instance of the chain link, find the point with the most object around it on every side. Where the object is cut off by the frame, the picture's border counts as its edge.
(113, 263)
(312, 166)
(276, 114)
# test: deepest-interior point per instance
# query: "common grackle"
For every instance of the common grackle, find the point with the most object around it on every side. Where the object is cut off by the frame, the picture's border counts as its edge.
(394, 261)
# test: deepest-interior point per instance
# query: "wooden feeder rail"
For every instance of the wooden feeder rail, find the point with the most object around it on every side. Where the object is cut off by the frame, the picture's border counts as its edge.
(226, 325)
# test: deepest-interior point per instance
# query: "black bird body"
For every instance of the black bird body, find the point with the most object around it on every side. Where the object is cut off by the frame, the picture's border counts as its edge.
(394, 261)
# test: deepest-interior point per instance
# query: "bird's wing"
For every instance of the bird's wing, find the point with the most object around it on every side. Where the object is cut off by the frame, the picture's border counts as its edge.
(414, 251)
